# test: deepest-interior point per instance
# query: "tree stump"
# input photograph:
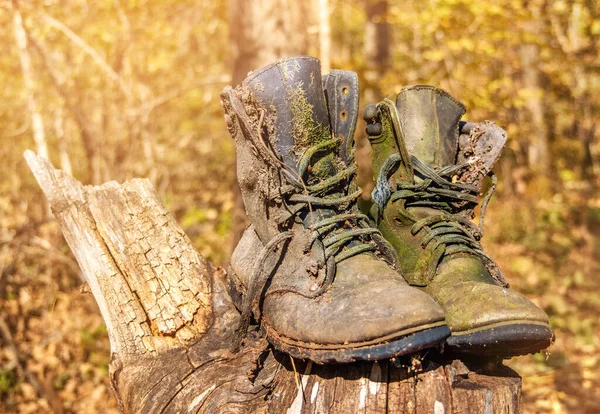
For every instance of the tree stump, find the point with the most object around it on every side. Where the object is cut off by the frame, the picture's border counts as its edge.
(171, 321)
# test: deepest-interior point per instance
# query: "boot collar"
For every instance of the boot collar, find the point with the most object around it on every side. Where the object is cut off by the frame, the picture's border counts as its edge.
(429, 120)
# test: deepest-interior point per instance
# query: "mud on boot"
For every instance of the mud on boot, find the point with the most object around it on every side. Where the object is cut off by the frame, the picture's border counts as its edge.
(321, 281)
(429, 169)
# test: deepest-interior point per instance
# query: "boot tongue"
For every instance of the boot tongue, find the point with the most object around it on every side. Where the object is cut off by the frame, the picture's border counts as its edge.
(289, 105)
(429, 119)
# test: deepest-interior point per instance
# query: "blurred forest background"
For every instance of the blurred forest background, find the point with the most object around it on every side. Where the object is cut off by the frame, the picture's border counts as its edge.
(116, 89)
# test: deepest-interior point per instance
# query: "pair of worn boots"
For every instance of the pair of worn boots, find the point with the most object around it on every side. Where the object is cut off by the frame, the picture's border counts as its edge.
(332, 284)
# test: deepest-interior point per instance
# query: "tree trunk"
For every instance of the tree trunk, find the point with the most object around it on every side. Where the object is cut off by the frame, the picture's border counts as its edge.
(538, 151)
(376, 47)
(324, 36)
(264, 31)
(170, 323)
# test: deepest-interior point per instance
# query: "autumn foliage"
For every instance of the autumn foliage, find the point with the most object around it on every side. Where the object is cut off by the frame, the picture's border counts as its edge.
(115, 89)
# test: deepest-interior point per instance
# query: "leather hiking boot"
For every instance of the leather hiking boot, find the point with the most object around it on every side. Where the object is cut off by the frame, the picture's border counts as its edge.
(322, 282)
(429, 169)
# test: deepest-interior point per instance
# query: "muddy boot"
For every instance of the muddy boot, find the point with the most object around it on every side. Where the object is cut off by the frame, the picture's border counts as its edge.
(429, 169)
(322, 282)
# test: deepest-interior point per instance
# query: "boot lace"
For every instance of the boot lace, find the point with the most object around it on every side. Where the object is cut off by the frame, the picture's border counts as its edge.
(449, 232)
(335, 231)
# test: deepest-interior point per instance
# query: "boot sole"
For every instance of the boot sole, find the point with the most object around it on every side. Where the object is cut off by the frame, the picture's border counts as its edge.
(400, 343)
(427, 337)
(504, 339)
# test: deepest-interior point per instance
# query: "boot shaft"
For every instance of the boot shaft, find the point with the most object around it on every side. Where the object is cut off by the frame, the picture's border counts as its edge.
(341, 94)
(425, 123)
(287, 104)
(429, 120)
(294, 145)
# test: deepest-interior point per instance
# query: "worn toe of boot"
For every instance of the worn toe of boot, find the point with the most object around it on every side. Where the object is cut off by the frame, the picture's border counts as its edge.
(361, 317)
(489, 319)
(367, 313)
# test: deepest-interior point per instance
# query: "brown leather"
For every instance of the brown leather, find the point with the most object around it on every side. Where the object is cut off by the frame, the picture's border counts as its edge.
(367, 300)
(277, 116)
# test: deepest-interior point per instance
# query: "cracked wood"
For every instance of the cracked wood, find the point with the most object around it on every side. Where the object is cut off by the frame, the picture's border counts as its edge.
(171, 322)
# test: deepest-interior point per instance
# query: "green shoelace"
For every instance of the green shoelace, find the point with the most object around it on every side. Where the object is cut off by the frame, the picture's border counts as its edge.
(449, 232)
(328, 230)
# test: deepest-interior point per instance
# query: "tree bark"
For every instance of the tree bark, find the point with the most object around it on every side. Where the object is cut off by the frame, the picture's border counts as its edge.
(59, 131)
(538, 151)
(324, 36)
(264, 31)
(376, 47)
(170, 322)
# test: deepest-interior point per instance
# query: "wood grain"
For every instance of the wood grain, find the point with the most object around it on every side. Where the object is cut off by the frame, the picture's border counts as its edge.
(171, 321)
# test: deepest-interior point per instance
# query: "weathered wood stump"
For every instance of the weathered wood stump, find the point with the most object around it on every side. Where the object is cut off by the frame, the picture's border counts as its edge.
(170, 322)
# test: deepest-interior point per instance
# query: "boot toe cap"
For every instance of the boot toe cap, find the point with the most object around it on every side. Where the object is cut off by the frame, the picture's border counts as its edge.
(356, 314)
(473, 305)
